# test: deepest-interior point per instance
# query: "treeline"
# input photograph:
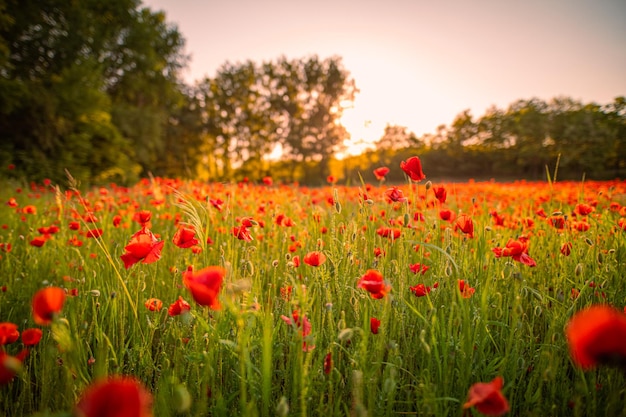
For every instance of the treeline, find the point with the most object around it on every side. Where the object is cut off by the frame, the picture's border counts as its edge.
(578, 139)
(95, 87)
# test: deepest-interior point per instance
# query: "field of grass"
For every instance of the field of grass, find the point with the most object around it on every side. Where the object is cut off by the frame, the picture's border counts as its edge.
(299, 325)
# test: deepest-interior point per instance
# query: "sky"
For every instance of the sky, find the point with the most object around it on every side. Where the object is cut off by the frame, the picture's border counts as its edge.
(419, 63)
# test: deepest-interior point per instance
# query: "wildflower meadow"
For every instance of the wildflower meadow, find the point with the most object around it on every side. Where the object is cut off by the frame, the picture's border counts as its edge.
(424, 298)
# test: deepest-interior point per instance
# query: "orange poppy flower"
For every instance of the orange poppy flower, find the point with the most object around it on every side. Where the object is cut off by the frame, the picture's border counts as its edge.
(46, 303)
(597, 336)
(373, 282)
(131, 399)
(314, 258)
(413, 168)
(143, 246)
(154, 304)
(205, 285)
(487, 398)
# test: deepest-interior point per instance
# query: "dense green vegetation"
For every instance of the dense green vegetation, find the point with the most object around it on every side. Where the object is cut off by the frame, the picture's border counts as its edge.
(95, 87)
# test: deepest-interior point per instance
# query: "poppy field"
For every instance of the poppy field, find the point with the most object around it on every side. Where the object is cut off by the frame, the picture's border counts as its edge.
(185, 298)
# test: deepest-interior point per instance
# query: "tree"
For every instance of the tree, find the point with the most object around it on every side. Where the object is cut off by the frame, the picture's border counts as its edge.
(67, 72)
(293, 105)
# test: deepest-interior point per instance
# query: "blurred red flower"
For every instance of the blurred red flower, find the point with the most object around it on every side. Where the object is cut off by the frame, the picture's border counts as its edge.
(413, 168)
(487, 398)
(116, 396)
(10, 365)
(205, 285)
(143, 217)
(178, 307)
(46, 303)
(597, 336)
(374, 325)
(185, 237)
(465, 224)
(31, 337)
(440, 193)
(373, 282)
(380, 173)
(154, 304)
(8, 333)
(314, 258)
(394, 195)
(420, 290)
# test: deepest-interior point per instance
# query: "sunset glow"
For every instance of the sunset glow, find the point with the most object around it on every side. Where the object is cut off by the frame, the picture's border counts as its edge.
(419, 64)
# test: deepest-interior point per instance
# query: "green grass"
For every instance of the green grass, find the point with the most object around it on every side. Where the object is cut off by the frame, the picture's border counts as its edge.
(245, 360)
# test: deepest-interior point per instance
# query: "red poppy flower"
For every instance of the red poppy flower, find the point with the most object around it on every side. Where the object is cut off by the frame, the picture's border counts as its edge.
(373, 282)
(115, 397)
(487, 398)
(154, 304)
(440, 194)
(420, 290)
(303, 325)
(314, 258)
(394, 195)
(447, 215)
(583, 209)
(8, 333)
(413, 168)
(38, 241)
(242, 233)
(380, 173)
(417, 268)
(389, 232)
(178, 307)
(143, 246)
(374, 325)
(566, 248)
(46, 303)
(205, 285)
(185, 237)
(143, 217)
(31, 337)
(94, 233)
(465, 224)
(517, 249)
(597, 336)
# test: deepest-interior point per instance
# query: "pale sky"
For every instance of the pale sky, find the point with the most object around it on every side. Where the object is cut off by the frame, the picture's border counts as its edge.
(420, 63)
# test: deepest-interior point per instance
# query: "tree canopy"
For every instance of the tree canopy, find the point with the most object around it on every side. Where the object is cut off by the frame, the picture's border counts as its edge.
(94, 87)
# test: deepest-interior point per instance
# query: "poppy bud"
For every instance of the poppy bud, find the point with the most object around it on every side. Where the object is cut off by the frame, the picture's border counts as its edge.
(578, 270)
(428, 185)
(282, 409)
